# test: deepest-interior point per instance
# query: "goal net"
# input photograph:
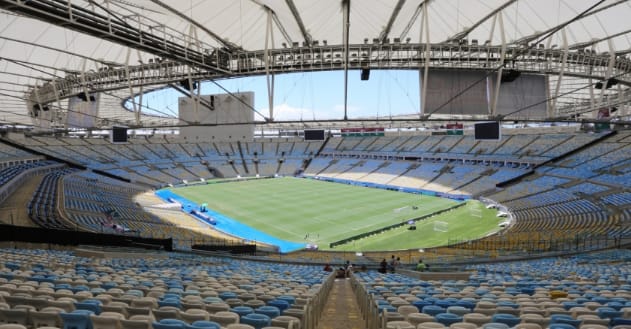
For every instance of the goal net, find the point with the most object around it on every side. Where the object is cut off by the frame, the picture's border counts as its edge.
(440, 226)
(475, 209)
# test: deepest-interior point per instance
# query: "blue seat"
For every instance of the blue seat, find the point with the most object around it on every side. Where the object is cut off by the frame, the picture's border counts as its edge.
(170, 302)
(566, 319)
(495, 325)
(290, 299)
(227, 294)
(281, 304)
(508, 319)
(257, 321)
(271, 311)
(466, 304)
(448, 318)
(212, 299)
(620, 321)
(458, 310)
(420, 304)
(93, 305)
(172, 321)
(561, 326)
(242, 310)
(77, 319)
(608, 313)
(433, 310)
(444, 303)
(158, 325)
(203, 324)
(386, 307)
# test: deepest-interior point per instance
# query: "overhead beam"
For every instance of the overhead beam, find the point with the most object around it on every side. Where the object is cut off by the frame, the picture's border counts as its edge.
(463, 34)
(393, 16)
(276, 20)
(595, 41)
(215, 36)
(63, 13)
(527, 39)
(301, 25)
(410, 23)
(190, 94)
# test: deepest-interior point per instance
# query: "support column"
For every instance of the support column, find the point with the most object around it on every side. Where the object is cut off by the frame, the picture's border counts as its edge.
(498, 80)
(346, 8)
(269, 36)
(557, 89)
(423, 79)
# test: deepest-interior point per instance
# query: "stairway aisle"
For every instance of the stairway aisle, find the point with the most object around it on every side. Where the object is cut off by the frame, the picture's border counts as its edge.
(341, 310)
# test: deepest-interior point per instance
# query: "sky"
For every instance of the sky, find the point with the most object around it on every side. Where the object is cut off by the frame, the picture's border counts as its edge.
(316, 95)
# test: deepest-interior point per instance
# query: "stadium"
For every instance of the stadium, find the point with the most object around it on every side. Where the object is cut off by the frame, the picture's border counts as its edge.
(315, 164)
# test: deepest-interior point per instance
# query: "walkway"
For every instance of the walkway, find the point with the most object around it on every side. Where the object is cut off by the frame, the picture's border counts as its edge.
(341, 310)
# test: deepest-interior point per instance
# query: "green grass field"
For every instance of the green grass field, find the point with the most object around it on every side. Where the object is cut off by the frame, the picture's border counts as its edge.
(292, 208)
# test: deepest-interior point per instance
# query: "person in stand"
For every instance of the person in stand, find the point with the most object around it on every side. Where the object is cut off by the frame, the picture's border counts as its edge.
(394, 262)
(348, 269)
(383, 266)
(421, 267)
(328, 268)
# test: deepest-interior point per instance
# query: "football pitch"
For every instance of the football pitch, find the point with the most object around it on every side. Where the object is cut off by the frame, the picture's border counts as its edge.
(318, 212)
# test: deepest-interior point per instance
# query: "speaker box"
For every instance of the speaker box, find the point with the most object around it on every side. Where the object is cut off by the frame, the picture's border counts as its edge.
(365, 74)
(510, 75)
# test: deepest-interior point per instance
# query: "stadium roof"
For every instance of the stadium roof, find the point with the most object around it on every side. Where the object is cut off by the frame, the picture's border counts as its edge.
(55, 40)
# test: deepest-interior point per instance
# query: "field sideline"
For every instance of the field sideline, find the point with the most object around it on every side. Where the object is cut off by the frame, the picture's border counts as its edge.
(312, 211)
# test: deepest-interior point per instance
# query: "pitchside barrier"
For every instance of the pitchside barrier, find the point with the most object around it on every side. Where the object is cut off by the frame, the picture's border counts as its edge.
(363, 235)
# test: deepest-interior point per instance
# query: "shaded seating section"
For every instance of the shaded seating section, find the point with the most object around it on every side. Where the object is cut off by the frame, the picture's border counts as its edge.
(160, 160)
(586, 192)
(577, 291)
(155, 290)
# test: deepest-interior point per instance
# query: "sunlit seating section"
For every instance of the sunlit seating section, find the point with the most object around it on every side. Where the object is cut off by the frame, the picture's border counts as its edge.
(155, 288)
(457, 175)
(576, 141)
(339, 166)
(489, 180)
(527, 187)
(583, 289)
(386, 173)
(419, 176)
(361, 169)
